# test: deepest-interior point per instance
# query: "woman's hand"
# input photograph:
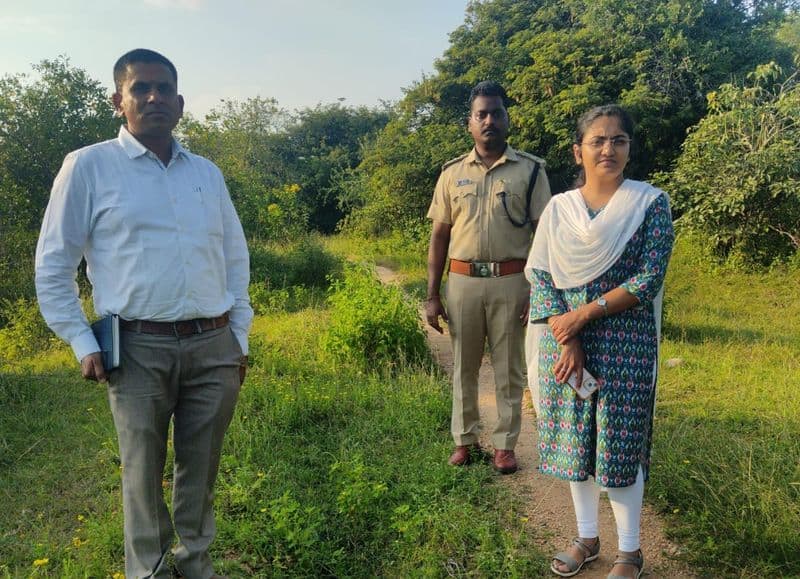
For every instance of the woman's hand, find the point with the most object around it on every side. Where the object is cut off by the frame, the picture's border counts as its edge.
(571, 361)
(567, 326)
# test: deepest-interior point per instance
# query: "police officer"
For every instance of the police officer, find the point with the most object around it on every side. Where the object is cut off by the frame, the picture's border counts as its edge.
(484, 212)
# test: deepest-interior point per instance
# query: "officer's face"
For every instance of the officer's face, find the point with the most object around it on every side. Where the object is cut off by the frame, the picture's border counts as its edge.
(488, 122)
(148, 99)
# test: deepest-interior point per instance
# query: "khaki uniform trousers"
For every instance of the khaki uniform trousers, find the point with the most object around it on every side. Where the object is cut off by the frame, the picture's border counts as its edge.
(477, 309)
(193, 381)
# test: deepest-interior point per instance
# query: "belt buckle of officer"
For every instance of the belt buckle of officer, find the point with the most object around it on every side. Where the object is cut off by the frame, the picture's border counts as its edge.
(484, 268)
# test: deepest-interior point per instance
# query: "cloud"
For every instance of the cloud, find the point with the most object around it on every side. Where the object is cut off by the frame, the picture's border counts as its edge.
(185, 4)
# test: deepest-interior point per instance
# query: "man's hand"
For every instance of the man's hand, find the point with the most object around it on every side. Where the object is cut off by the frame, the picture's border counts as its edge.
(434, 309)
(243, 361)
(523, 317)
(92, 367)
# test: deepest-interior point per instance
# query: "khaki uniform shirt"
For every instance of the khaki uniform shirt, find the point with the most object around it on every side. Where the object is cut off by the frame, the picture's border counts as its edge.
(467, 197)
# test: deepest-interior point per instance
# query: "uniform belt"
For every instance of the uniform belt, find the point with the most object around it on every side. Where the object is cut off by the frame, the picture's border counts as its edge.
(178, 329)
(487, 268)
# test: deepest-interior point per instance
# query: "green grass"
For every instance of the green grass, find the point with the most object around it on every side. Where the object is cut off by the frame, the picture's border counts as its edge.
(726, 468)
(402, 253)
(327, 471)
(727, 432)
(59, 468)
(330, 470)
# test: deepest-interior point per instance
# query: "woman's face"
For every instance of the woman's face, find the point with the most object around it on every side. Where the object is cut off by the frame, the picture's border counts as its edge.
(604, 150)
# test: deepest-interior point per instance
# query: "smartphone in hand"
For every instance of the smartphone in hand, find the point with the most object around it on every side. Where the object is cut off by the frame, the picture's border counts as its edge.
(588, 385)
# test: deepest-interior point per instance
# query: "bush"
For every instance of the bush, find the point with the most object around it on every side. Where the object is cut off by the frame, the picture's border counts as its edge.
(25, 332)
(302, 262)
(371, 324)
(737, 180)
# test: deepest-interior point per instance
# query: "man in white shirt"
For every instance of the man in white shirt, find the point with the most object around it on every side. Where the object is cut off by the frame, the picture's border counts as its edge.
(165, 251)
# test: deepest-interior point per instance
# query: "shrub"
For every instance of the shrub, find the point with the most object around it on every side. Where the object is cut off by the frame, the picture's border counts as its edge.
(737, 180)
(371, 324)
(302, 262)
(25, 332)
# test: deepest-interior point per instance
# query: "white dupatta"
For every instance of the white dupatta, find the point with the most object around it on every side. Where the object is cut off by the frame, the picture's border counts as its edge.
(576, 249)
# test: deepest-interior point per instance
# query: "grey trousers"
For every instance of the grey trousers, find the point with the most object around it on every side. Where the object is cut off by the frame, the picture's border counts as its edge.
(479, 309)
(193, 382)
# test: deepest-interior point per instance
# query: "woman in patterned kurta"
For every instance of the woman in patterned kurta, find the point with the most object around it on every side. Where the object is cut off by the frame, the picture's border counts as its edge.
(608, 435)
(596, 271)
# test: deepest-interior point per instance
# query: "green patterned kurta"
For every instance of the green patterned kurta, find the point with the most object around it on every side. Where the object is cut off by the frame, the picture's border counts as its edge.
(609, 434)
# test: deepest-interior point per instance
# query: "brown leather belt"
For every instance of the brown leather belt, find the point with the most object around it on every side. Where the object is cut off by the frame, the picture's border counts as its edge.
(179, 329)
(487, 268)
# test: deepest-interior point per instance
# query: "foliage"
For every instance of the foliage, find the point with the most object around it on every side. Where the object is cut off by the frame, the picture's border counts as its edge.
(25, 333)
(727, 435)
(290, 263)
(372, 324)
(557, 58)
(737, 180)
(394, 182)
(290, 276)
(281, 168)
(320, 474)
(322, 143)
(41, 119)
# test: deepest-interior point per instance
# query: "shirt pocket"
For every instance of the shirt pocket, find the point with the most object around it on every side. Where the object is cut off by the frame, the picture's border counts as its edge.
(465, 201)
(213, 214)
(508, 198)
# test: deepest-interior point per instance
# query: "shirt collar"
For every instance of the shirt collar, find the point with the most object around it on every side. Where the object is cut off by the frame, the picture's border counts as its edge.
(133, 148)
(508, 155)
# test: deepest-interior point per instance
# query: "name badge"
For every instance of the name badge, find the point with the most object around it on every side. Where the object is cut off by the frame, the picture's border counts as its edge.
(462, 182)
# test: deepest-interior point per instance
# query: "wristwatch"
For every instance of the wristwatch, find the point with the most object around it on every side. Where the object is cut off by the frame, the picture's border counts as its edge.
(601, 301)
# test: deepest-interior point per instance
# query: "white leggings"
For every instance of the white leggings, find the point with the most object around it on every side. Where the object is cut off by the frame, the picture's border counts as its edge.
(626, 502)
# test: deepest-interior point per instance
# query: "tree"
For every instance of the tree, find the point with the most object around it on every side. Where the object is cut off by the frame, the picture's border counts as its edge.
(738, 178)
(265, 152)
(322, 143)
(41, 120)
(557, 58)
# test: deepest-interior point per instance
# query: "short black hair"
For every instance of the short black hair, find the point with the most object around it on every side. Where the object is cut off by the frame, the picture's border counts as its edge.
(488, 88)
(140, 55)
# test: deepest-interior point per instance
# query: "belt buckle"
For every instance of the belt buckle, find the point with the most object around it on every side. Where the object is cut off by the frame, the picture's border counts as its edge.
(484, 269)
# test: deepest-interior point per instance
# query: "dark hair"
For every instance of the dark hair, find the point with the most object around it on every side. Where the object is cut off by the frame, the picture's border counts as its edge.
(590, 116)
(140, 55)
(488, 88)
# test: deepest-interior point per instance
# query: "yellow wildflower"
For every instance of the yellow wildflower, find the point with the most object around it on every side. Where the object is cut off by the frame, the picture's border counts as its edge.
(41, 562)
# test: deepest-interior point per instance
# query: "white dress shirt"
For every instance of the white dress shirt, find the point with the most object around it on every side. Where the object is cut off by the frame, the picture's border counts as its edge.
(161, 243)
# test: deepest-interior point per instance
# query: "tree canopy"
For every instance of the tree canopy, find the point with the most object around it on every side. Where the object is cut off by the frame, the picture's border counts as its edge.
(737, 179)
(42, 117)
(557, 58)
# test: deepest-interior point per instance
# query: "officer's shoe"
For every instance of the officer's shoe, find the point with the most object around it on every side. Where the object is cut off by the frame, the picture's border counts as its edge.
(504, 461)
(466, 454)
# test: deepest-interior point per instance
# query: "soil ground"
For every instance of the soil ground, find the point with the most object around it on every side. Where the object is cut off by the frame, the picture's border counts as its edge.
(544, 500)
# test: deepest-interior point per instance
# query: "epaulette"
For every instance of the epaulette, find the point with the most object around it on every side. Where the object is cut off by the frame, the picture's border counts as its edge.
(531, 157)
(453, 161)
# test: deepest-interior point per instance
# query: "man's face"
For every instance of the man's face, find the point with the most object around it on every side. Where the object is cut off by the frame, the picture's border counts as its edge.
(148, 99)
(488, 122)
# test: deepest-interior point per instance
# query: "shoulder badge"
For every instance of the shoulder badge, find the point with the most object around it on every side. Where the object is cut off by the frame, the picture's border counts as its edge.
(531, 157)
(453, 161)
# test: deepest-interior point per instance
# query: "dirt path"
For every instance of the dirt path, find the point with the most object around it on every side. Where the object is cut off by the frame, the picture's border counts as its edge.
(545, 500)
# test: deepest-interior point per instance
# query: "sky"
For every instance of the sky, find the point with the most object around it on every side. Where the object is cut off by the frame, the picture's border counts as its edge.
(300, 52)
